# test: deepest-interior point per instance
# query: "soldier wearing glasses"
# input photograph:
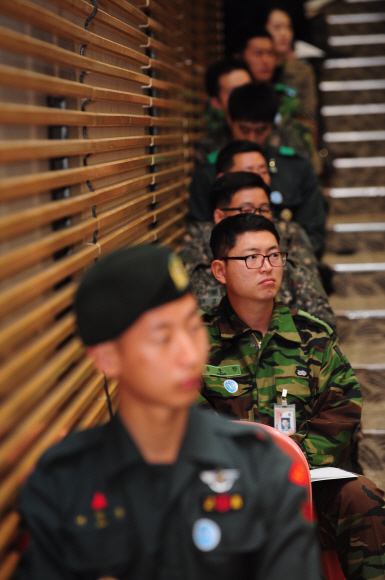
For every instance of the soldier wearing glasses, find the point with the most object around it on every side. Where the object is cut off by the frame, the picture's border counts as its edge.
(245, 192)
(265, 359)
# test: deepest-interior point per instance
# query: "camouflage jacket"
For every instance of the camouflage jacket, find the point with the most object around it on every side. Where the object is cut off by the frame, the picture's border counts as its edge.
(301, 287)
(298, 353)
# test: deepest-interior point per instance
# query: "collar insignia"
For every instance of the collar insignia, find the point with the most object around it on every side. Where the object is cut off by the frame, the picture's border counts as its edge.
(220, 480)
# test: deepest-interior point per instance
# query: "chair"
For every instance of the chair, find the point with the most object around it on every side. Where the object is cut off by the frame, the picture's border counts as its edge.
(331, 568)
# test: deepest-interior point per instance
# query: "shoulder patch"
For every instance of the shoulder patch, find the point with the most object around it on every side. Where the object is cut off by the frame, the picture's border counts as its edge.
(316, 320)
(212, 157)
(287, 151)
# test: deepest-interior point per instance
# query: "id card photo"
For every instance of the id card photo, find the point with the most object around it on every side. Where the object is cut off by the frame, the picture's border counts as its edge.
(284, 419)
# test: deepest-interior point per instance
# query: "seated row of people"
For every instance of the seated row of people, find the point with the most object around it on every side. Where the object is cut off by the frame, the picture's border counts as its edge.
(246, 192)
(296, 192)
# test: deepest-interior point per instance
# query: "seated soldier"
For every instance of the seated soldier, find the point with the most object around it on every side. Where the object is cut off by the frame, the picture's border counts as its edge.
(221, 79)
(256, 47)
(243, 192)
(296, 191)
(164, 490)
(264, 359)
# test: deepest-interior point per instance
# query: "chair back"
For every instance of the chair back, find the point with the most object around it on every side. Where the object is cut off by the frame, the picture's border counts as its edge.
(290, 448)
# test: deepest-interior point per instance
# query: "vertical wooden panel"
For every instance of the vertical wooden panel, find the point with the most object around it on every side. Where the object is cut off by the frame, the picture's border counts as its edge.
(100, 106)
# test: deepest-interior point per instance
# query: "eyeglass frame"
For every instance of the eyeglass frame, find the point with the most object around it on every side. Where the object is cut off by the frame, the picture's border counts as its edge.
(256, 209)
(285, 254)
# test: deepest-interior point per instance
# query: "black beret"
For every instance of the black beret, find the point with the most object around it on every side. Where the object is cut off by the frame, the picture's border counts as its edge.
(120, 287)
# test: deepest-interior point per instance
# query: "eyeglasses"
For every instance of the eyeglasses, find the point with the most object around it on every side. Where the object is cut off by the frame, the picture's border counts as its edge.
(263, 210)
(255, 261)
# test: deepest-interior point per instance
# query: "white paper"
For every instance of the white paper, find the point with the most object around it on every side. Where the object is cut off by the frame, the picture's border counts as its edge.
(324, 473)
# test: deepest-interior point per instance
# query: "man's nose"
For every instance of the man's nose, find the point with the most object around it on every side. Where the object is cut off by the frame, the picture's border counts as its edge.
(266, 266)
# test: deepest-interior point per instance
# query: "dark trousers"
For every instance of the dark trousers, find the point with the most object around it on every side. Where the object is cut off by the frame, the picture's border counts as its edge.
(351, 515)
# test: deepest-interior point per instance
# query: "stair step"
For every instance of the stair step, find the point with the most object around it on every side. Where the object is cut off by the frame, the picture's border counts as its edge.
(361, 1)
(356, 39)
(360, 18)
(352, 85)
(345, 201)
(358, 162)
(368, 109)
(353, 136)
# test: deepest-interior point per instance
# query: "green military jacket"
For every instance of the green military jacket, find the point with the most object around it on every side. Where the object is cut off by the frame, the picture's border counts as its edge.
(301, 287)
(229, 507)
(298, 353)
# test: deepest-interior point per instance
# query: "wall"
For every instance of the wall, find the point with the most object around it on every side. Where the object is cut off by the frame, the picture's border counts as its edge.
(100, 105)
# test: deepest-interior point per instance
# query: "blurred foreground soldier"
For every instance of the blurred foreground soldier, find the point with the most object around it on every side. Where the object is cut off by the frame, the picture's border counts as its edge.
(164, 490)
(267, 363)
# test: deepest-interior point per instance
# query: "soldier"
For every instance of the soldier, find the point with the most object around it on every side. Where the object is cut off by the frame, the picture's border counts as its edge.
(163, 491)
(221, 79)
(301, 286)
(290, 364)
(296, 191)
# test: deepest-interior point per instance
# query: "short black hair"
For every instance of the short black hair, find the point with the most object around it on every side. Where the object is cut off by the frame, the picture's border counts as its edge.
(225, 233)
(227, 185)
(254, 103)
(247, 33)
(225, 159)
(220, 68)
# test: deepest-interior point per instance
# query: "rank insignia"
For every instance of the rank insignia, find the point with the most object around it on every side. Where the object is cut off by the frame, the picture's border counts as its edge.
(222, 503)
(220, 480)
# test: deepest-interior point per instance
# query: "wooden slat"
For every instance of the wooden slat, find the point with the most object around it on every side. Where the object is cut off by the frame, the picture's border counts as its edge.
(26, 220)
(43, 19)
(128, 10)
(9, 565)
(32, 81)
(169, 17)
(38, 385)
(8, 530)
(33, 115)
(18, 43)
(29, 359)
(28, 150)
(18, 260)
(20, 330)
(17, 187)
(164, 33)
(24, 435)
(24, 292)
(114, 215)
(81, 7)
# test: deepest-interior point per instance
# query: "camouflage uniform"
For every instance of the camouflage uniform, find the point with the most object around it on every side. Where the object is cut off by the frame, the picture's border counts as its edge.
(292, 176)
(301, 286)
(299, 353)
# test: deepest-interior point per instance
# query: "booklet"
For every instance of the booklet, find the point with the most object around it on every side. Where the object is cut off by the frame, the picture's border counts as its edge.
(323, 473)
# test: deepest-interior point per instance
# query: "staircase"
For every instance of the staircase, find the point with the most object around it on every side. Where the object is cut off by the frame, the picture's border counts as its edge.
(353, 109)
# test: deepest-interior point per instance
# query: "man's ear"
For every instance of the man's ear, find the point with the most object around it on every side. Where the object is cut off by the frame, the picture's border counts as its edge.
(106, 358)
(218, 268)
(219, 215)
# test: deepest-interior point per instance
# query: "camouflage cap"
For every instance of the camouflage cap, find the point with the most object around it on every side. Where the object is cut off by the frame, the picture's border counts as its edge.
(120, 287)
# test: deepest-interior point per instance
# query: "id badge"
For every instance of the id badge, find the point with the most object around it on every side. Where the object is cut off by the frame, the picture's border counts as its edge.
(284, 418)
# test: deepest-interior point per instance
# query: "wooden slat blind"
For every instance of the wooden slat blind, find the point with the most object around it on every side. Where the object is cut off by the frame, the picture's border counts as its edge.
(100, 105)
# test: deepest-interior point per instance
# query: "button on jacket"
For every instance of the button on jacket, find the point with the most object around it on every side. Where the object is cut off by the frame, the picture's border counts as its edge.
(298, 353)
(94, 509)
